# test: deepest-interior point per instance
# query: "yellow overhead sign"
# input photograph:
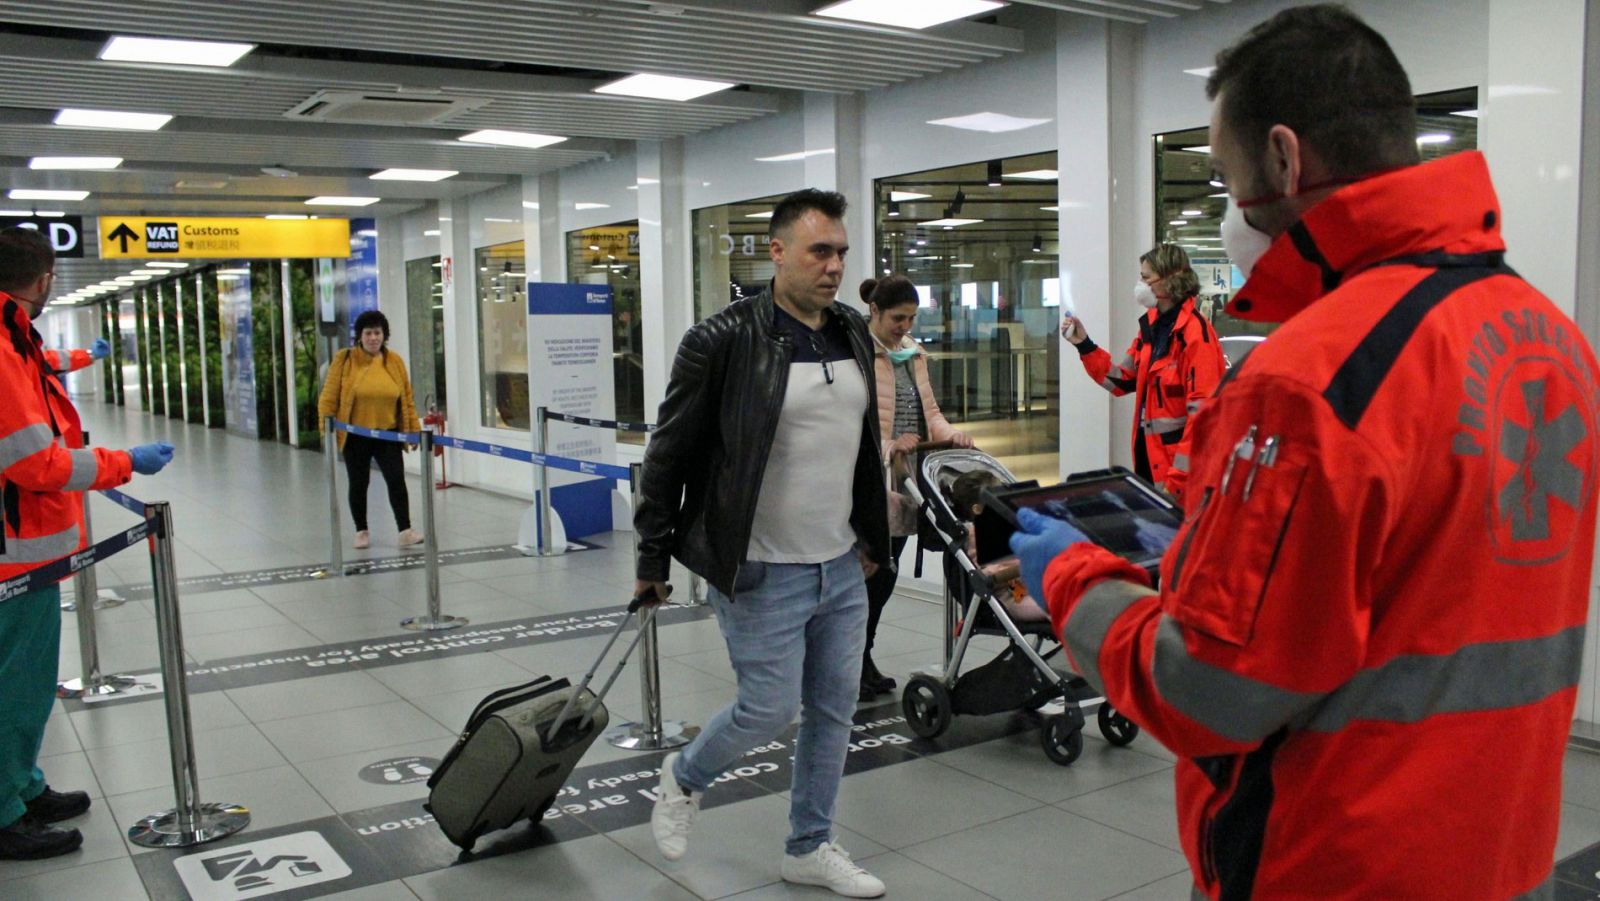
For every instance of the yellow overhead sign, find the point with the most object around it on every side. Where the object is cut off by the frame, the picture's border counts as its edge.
(179, 237)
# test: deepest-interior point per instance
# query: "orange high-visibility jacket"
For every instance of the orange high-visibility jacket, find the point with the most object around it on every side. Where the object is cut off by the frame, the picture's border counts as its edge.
(43, 466)
(1368, 637)
(1172, 377)
(61, 361)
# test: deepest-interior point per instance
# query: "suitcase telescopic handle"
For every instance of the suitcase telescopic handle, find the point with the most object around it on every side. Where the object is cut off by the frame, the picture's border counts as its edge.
(645, 620)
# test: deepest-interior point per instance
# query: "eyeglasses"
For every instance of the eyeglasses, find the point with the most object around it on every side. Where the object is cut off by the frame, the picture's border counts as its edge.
(820, 348)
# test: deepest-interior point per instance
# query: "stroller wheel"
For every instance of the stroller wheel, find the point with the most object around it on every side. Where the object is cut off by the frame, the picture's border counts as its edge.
(1118, 729)
(926, 703)
(1062, 743)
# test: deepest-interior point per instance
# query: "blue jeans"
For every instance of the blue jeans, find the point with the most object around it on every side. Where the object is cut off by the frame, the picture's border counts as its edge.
(795, 637)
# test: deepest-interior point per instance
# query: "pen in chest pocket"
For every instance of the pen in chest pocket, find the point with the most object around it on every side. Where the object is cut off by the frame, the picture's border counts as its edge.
(1244, 450)
(1267, 457)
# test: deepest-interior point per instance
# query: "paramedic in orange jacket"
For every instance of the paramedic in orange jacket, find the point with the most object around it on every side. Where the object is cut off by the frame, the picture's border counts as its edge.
(1367, 641)
(62, 362)
(1173, 366)
(43, 471)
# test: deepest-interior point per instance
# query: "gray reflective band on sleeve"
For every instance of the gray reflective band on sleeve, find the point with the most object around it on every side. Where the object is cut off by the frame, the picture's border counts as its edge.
(42, 549)
(1163, 424)
(1180, 461)
(1235, 707)
(1091, 621)
(1493, 675)
(24, 442)
(84, 467)
(1129, 364)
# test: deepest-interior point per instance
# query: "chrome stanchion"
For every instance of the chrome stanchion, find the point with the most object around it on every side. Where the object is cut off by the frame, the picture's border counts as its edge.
(330, 443)
(541, 486)
(652, 734)
(190, 822)
(697, 591)
(91, 683)
(434, 620)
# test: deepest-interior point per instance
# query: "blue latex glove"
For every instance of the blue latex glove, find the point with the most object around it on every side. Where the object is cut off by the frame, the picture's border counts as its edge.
(100, 349)
(149, 459)
(1038, 541)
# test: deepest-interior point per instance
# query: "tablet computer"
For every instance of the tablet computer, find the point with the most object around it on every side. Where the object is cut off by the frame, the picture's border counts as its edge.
(1114, 508)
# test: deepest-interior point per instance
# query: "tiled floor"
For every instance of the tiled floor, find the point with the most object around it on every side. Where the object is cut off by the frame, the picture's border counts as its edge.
(964, 823)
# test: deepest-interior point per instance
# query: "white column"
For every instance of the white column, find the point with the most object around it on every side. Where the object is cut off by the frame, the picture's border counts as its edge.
(665, 251)
(1531, 131)
(832, 128)
(460, 332)
(1088, 182)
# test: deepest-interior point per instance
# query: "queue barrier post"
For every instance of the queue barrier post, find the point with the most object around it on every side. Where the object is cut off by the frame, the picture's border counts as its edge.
(90, 682)
(330, 441)
(190, 822)
(434, 620)
(541, 485)
(652, 734)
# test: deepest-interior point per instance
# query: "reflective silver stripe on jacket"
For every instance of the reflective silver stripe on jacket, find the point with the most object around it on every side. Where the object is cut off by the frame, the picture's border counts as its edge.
(42, 549)
(1164, 424)
(84, 467)
(1090, 622)
(1180, 461)
(1493, 675)
(23, 443)
(1235, 707)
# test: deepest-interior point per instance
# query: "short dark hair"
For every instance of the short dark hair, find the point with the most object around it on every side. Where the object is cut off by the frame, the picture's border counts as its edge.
(892, 291)
(372, 319)
(1326, 74)
(25, 255)
(829, 203)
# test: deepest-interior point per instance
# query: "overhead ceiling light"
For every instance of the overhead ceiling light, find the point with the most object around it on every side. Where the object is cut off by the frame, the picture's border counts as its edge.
(331, 200)
(1198, 148)
(526, 139)
(1436, 138)
(150, 272)
(530, 204)
(1468, 113)
(766, 215)
(993, 123)
(1218, 194)
(1039, 262)
(166, 264)
(137, 277)
(994, 174)
(961, 265)
(100, 118)
(586, 205)
(238, 270)
(1216, 184)
(1038, 243)
(495, 219)
(128, 280)
(42, 194)
(1179, 222)
(1051, 209)
(792, 157)
(663, 87)
(124, 49)
(923, 14)
(907, 195)
(413, 175)
(952, 223)
(1191, 213)
(278, 172)
(893, 208)
(1203, 72)
(75, 162)
(287, 216)
(1036, 174)
(431, 233)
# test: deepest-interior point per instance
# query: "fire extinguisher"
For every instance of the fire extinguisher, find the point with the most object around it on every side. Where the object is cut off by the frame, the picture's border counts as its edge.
(435, 418)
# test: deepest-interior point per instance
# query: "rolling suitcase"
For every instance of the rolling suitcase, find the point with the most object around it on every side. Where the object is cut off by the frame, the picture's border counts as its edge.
(520, 746)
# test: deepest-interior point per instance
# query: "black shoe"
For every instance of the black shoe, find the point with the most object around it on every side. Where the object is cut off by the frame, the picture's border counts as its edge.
(29, 839)
(53, 806)
(870, 676)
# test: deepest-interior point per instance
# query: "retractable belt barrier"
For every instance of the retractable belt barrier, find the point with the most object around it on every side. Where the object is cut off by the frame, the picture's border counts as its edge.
(600, 423)
(584, 467)
(56, 570)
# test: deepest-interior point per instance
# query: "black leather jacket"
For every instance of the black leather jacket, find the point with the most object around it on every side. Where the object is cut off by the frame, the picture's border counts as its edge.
(705, 461)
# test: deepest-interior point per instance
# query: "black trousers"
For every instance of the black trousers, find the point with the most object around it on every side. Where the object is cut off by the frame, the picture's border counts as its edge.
(881, 586)
(359, 454)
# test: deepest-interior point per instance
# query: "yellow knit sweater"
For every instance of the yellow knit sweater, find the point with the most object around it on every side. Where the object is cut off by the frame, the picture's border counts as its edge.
(371, 392)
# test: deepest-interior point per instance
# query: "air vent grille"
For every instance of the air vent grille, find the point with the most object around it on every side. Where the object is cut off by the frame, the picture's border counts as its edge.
(382, 108)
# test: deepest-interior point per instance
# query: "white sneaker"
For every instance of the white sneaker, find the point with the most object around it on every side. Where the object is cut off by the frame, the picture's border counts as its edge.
(674, 813)
(363, 540)
(410, 537)
(830, 866)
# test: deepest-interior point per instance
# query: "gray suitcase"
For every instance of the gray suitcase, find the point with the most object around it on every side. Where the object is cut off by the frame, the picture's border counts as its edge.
(520, 746)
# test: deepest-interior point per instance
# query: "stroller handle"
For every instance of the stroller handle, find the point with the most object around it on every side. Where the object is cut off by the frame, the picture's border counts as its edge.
(926, 446)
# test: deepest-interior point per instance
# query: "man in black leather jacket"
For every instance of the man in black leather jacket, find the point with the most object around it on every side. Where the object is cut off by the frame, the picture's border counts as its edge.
(763, 476)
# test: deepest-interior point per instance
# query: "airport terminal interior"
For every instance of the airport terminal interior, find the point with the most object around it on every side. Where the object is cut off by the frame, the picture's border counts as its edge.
(541, 198)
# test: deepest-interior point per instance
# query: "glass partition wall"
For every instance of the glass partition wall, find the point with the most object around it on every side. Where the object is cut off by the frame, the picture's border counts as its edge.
(502, 334)
(1190, 203)
(609, 255)
(730, 253)
(980, 243)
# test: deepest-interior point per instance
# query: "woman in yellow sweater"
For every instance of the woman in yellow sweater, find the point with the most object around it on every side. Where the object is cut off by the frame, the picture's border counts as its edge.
(368, 386)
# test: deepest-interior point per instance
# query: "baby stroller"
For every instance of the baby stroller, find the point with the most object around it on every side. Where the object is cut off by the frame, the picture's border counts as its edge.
(1020, 677)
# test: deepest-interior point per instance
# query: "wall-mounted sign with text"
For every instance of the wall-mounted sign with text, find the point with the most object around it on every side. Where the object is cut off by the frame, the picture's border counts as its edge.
(155, 237)
(65, 232)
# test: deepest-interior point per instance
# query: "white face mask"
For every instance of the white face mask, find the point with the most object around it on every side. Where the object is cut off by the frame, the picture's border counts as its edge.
(1143, 295)
(1242, 242)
